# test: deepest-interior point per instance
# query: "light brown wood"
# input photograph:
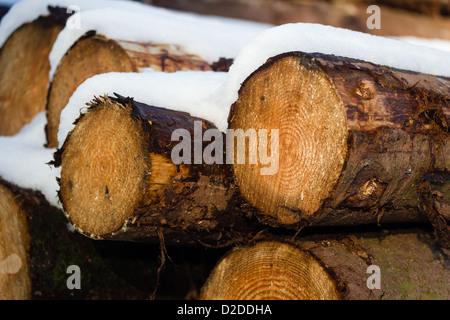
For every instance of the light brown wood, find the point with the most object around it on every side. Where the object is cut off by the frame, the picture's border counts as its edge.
(15, 283)
(357, 142)
(269, 270)
(334, 266)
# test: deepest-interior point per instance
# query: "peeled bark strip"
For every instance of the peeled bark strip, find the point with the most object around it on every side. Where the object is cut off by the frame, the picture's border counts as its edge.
(118, 180)
(24, 69)
(15, 281)
(95, 54)
(355, 142)
(332, 267)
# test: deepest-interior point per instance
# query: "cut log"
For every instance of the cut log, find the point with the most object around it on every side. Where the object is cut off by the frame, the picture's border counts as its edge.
(37, 247)
(357, 142)
(118, 180)
(408, 263)
(95, 54)
(15, 283)
(24, 70)
(269, 271)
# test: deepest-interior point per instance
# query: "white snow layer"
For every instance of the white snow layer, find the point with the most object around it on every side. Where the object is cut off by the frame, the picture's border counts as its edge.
(432, 43)
(23, 160)
(209, 95)
(207, 36)
(203, 94)
(195, 92)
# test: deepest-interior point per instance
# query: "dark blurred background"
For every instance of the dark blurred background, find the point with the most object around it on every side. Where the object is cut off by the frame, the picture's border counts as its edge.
(420, 18)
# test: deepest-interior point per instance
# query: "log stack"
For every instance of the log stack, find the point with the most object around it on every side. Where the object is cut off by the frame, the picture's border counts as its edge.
(357, 146)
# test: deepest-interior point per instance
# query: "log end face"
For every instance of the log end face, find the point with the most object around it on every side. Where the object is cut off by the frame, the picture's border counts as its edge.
(14, 243)
(88, 57)
(269, 270)
(104, 168)
(24, 68)
(293, 95)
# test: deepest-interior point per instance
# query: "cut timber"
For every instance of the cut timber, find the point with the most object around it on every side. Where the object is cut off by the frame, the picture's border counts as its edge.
(95, 54)
(356, 142)
(15, 283)
(118, 180)
(269, 271)
(24, 69)
(37, 247)
(334, 266)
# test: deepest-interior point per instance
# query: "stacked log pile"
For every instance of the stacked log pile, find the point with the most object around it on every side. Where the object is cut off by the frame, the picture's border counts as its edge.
(359, 146)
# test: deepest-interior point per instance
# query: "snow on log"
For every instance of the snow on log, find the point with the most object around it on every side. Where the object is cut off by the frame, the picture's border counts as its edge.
(95, 54)
(24, 70)
(118, 180)
(393, 265)
(358, 142)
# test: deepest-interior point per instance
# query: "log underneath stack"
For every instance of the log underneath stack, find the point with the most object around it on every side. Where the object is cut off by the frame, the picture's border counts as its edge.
(118, 180)
(358, 143)
(15, 283)
(332, 267)
(24, 69)
(95, 54)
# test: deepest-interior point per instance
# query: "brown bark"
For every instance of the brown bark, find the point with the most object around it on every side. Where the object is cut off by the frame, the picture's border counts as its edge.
(24, 69)
(359, 143)
(95, 54)
(334, 267)
(118, 180)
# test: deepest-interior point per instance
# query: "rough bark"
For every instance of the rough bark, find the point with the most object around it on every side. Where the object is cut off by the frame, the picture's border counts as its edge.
(118, 180)
(95, 54)
(334, 267)
(359, 143)
(24, 68)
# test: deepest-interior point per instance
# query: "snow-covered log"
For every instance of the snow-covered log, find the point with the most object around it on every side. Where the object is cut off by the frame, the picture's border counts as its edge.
(24, 69)
(15, 283)
(95, 54)
(119, 180)
(132, 37)
(358, 142)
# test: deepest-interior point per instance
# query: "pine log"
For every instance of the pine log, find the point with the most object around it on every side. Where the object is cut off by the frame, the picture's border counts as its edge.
(118, 180)
(329, 267)
(37, 247)
(24, 70)
(15, 283)
(95, 54)
(358, 143)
